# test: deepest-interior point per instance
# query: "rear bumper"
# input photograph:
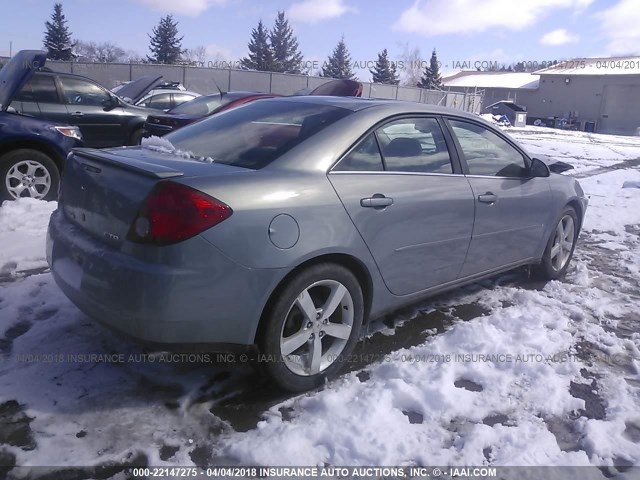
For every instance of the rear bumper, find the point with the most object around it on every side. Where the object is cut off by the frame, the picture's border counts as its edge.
(216, 302)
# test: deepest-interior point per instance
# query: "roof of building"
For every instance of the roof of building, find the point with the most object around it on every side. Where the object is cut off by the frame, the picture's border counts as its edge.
(475, 79)
(595, 66)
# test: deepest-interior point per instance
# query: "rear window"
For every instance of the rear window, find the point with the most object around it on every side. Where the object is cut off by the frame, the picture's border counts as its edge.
(255, 135)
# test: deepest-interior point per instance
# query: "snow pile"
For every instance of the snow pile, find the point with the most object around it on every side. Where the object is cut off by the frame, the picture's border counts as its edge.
(162, 145)
(23, 228)
(500, 120)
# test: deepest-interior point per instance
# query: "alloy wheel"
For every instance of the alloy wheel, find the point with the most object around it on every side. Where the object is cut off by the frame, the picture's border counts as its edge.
(317, 327)
(28, 178)
(563, 243)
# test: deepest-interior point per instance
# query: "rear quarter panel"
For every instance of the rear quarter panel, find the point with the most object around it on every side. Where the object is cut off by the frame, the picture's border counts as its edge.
(259, 196)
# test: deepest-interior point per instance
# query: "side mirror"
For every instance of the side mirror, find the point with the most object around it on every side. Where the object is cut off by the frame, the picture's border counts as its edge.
(110, 103)
(538, 168)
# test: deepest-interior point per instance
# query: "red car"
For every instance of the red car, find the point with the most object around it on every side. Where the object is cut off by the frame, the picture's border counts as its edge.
(162, 123)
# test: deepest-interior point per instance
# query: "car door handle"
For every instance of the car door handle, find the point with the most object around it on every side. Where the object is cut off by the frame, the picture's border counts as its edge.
(488, 197)
(378, 200)
(77, 114)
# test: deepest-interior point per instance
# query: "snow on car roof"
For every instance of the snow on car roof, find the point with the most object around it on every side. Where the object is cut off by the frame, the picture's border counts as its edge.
(493, 80)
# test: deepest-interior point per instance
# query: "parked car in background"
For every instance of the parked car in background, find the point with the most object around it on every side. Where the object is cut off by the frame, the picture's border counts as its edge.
(289, 222)
(165, 100)
(32, 150)
(104, 119)
(164, 96)
(160, 124)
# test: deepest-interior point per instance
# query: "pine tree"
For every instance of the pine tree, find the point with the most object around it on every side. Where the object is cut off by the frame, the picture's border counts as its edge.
(165, 45)
(260, 52)
(284, 45)
(431, 78)
(338, 64)
(384, 71)
(57, 37)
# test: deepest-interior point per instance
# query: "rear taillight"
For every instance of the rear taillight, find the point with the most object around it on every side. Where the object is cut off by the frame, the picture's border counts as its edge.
(174, 212)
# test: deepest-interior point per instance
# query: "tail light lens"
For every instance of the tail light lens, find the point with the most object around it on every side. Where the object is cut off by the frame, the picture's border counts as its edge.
(173, 212)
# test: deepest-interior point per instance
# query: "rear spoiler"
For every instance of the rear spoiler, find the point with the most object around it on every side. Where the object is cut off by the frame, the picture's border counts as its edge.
(141, 167)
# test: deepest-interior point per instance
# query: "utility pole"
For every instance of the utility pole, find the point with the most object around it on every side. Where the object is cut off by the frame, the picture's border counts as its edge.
(10, 48)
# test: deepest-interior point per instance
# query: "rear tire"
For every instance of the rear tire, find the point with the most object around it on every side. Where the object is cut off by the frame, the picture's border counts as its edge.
(28, 173)
(559, 250)
(312, 327)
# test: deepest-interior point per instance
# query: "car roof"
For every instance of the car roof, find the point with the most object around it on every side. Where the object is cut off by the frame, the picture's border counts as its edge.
(393, 106)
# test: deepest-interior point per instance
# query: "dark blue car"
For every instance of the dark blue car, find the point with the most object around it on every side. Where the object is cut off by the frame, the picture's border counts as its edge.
(32, 151)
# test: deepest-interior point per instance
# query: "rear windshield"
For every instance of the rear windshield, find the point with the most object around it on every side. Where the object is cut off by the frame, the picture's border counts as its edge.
(254, 135)
(199, 106)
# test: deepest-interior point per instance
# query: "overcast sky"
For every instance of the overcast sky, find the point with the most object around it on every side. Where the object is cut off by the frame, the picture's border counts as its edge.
(461, 30)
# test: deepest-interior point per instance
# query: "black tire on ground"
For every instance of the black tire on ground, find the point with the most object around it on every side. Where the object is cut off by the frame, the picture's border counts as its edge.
(136, 137)
(274, 319)
(10, 159)
(545, 269)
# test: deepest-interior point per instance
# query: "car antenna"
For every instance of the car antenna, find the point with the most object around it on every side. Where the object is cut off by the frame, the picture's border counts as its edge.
(218, 87)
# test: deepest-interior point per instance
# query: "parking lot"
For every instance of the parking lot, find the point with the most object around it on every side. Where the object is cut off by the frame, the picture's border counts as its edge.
(509, 371)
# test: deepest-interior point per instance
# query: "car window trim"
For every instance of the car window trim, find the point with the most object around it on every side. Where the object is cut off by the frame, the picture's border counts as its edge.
(458, 147)
(456, 164)
(395, 172)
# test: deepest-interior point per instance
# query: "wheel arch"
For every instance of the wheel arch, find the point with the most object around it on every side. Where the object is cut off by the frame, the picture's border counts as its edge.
(577, 206)
(31, 144)
(355, 266)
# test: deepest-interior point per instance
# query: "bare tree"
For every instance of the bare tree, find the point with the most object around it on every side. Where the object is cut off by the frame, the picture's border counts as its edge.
(105, 52)
(132, 56)
(412, 65)
(195, 56)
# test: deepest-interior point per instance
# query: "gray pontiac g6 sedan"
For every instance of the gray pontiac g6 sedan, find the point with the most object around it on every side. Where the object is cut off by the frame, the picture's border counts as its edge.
(287, 223)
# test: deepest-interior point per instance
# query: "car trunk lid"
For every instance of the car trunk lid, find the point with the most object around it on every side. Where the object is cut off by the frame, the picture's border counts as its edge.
(103, 190)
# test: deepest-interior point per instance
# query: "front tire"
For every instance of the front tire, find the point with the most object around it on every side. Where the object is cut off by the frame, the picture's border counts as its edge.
(312, 327)
(559, 251)
(28, 173)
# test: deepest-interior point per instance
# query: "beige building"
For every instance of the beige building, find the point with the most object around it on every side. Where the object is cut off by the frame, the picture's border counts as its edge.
(598, 93)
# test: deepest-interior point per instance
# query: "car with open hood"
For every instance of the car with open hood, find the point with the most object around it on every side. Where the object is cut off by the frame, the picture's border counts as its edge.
(160, 124)
(104, 118)
(32, 150)
(164, 96)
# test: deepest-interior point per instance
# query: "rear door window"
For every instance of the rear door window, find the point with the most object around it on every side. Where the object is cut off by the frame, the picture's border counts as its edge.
(414, 145)
(161, 101)
(365, 157)
(39, 88)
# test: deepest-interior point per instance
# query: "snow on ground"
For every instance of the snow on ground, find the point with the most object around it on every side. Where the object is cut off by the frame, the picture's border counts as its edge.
(23, 227)
(585, 151)
(536, 375)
